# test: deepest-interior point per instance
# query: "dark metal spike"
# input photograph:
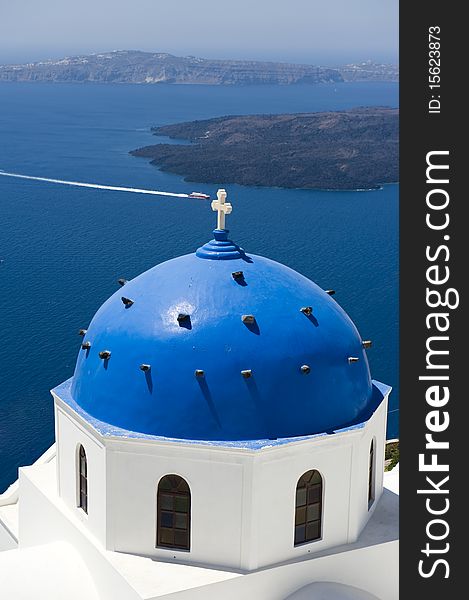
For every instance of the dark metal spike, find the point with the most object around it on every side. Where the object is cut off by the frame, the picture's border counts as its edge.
(127, 301)
(248, 319)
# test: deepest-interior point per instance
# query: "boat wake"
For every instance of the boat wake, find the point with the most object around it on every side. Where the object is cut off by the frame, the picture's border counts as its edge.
(98, 186)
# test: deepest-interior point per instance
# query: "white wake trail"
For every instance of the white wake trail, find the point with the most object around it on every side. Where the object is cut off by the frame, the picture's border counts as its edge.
(95, 186)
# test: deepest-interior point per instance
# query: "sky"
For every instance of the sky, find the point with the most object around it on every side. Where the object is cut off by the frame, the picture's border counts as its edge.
(326, 32)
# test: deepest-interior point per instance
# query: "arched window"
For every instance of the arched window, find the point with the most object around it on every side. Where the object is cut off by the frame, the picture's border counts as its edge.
(308, 512)
(174, 513)
(371, 474)
(82, 479)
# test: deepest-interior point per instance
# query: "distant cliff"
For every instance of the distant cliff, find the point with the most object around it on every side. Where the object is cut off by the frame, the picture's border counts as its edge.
(144, 67)
(332, 150)
(369, 71)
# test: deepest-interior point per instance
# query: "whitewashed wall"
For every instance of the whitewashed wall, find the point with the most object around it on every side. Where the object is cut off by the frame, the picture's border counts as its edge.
(359, 511)
(243, 502)
(215, 479)
(70, 433)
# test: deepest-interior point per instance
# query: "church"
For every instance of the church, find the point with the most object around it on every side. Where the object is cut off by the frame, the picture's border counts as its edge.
(221, 438)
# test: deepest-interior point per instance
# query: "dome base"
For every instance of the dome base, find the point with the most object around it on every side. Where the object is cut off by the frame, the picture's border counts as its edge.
(220, 248)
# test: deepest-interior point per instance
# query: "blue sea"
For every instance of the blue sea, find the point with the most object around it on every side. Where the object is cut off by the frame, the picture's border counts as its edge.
(62, 248)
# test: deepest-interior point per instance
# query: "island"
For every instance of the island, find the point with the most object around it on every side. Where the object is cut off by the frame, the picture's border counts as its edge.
(354, 149)
(133, 66)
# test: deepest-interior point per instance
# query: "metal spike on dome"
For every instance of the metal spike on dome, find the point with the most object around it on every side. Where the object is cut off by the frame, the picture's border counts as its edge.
(307, 310)
(330, 292)
(144, 367)
(82, 332)
(127, 301)
(305, 369)
(182, 317)
(86, 346)
(122, 281)
(199, 373)
(247, 373)
(353, 359)
(367, 343)
(237, 275)
(248, 319)
(105, 354)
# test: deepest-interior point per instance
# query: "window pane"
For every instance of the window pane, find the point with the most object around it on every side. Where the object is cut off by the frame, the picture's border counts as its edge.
(300, 516)
(166, 536)
(300, 534)
(312, 531)
(166, 519)
(181, 503)
(180, 521)
(165, 484)
(180, 538)
(305, 478)
(175, 480)
(300, 496)
(314, 494)
(166, 501)
(182, 486)
(316, 478)
(312, 514)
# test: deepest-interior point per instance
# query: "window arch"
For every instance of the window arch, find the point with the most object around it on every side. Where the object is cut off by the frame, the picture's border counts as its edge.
(82, 479)
(308, 511)
(174, 513)
(371, 474)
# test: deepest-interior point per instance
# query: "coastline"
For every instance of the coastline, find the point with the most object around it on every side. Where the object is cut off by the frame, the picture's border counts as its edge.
(355, 149)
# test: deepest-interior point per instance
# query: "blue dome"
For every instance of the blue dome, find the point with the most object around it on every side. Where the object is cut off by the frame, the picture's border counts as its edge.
(200, 352)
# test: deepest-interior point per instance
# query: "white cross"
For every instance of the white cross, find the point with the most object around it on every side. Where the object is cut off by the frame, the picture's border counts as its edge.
(223, 208)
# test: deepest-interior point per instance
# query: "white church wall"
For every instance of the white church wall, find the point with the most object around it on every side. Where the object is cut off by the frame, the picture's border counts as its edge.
(242, 501)
(276, 476)
(215, 479)
(372, 568)
(70, 433)
(360, 511)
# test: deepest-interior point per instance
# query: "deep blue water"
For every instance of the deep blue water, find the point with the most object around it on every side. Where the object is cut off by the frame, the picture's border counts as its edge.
(62, 249)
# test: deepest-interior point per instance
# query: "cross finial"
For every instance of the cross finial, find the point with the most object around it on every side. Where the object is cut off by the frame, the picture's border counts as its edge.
(223, 208)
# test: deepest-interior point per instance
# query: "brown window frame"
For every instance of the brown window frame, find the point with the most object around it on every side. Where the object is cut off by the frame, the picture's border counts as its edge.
(173, 504)
(82, 479)
(308, 508)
